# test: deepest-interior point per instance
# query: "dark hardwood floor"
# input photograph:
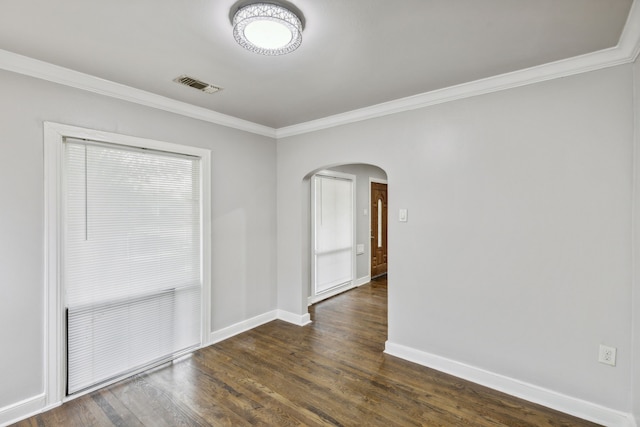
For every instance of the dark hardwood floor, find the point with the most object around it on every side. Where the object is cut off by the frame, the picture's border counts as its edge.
(332, 372)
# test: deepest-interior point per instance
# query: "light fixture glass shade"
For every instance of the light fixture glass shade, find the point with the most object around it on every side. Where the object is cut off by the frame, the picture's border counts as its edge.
(267, 29)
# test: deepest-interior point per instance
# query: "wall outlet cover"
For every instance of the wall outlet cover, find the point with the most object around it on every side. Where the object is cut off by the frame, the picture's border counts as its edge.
(607, 355)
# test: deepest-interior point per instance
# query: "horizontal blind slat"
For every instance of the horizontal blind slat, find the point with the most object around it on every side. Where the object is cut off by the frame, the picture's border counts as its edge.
(132, 272)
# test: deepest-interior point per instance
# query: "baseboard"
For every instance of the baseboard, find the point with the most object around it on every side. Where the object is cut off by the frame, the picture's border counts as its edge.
(363, 280)
(240, 327)
(549, 398)
(354, 284)
(19, 411)
(296, 319)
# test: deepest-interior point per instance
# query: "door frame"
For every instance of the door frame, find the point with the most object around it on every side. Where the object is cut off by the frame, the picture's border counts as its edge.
(378, 181)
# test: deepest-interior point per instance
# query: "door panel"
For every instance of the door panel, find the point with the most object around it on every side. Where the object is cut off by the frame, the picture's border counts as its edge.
(378, 229)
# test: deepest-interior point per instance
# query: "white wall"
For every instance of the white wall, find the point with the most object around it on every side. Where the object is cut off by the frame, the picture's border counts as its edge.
(636, 253)
(516, 257)
(243, 211)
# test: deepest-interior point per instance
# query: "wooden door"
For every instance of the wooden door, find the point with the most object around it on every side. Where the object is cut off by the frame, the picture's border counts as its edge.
(378, 229)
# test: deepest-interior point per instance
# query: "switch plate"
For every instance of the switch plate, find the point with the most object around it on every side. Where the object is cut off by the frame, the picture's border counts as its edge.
(402, 215)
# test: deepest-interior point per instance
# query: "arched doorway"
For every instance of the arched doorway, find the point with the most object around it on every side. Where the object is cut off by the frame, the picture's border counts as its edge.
(363, 177)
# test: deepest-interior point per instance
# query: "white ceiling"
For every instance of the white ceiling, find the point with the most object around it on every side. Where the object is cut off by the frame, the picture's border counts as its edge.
(354, 54)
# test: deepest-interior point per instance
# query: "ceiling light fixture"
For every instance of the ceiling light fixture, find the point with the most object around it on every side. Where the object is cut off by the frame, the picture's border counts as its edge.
(267, 29)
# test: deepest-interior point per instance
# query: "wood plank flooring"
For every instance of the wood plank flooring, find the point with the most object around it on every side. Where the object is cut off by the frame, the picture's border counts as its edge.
(330, 373)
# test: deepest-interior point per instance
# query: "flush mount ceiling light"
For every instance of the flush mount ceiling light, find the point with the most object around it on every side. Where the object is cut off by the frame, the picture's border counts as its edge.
(267, 29)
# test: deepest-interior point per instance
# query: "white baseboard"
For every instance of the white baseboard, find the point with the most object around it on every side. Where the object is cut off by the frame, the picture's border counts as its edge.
(354, 284)
(240, 327)
(296, 319)
(363, 280)
(20, 410)
(245, 325)
(314, 299)
(549, 398)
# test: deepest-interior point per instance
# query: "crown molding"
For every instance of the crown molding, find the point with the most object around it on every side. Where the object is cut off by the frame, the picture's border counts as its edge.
(626, 51)
(577, 65)
(629, 42)
(43, 70)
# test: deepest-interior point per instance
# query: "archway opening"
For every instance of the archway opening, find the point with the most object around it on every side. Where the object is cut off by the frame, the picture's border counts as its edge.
(367, 225)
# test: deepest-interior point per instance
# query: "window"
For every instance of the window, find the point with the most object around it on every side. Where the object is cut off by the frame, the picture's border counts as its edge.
(333, 233)
(129, 279)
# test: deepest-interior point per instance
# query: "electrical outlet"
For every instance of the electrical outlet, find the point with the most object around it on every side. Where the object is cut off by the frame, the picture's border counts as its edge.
(607, 355)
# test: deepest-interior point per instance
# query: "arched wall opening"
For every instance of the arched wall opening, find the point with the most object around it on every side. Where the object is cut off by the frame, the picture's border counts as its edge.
(364, 174)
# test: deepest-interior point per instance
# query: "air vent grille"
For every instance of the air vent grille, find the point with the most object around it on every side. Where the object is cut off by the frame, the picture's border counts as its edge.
(197, 84)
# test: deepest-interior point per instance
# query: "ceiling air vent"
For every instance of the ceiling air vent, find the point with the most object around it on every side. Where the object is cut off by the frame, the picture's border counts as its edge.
(196, 84)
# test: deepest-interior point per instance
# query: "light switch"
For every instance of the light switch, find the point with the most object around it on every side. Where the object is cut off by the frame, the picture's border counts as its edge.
(403, 215)
(359, 248)
(366, 212)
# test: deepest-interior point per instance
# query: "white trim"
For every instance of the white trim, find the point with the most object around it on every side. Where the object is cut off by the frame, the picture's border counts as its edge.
(629, 43)
(563, 68)
(53, 327)
(635, 246)
(336, 291)
(54, 134)
(549, 398)
(43, 70)
(205, 215)
(315, 297)
(625, 52)
(331, 293)
(362, 280)
(296, 319)
(20, 410)
(240, 327)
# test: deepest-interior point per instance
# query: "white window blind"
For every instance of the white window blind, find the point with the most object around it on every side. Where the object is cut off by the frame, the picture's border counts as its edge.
(131, 259)
(333, 232)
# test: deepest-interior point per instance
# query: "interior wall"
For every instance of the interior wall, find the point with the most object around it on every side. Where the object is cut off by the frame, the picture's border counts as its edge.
(516, 255)
(636, 252)
(243, 213)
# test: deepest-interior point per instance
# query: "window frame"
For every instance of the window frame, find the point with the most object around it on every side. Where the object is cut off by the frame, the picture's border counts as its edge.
(314, 296)
(54, 334)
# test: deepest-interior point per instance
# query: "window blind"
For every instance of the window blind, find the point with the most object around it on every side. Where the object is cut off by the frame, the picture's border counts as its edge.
(333, 234)
(131, 259)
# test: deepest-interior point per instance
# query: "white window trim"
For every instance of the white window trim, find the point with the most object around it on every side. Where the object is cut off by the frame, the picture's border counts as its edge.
(54, 134)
